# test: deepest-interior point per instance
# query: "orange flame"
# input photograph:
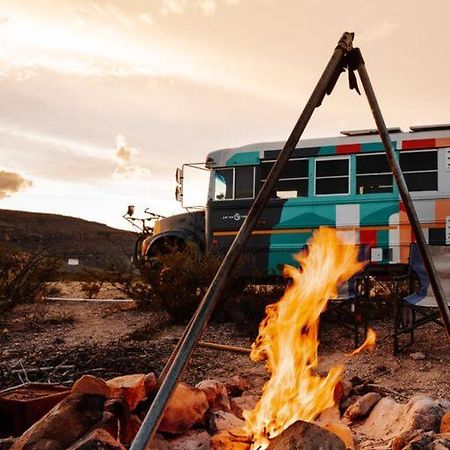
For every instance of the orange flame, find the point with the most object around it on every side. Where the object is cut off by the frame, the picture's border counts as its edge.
(288, 340)
(369, 343)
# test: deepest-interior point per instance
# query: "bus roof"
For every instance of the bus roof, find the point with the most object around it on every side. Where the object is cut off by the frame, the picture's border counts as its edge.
(351, 142)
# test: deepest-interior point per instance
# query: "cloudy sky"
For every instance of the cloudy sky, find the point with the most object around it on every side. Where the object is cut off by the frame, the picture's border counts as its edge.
(102, 99)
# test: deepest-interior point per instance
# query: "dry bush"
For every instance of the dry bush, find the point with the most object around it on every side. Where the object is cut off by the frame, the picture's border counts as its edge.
(24, 278)
(178, 281)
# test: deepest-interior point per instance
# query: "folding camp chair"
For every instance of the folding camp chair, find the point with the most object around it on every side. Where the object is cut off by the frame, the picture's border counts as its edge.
(348, 307)
(420, 307)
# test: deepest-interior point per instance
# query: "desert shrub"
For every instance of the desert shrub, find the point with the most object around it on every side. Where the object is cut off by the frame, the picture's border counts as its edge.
(25, 277)
(177, 282)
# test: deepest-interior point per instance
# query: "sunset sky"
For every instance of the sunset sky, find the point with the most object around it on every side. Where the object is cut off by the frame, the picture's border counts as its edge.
(102, 99)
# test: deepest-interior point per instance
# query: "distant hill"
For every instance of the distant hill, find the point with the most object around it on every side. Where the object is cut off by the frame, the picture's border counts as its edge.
(93, 244)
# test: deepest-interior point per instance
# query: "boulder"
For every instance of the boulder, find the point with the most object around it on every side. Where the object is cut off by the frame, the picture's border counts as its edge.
(186, 408)
(216, 394)
(390, 419)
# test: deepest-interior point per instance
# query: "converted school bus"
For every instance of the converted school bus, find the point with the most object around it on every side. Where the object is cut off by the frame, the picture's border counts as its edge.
(342, 182)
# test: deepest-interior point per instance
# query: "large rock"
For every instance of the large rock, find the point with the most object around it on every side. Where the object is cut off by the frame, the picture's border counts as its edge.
(216, 394)
(390, 419)
(68, 421)
(306, 436)
(88, 384)
(130, 388)
(186, 408)
(361, 408)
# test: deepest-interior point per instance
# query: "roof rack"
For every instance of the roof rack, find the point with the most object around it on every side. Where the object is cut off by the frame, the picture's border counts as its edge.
(368, 132)
(443, 126)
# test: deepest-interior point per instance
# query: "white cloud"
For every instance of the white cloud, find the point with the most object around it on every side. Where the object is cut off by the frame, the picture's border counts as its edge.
(124, 156)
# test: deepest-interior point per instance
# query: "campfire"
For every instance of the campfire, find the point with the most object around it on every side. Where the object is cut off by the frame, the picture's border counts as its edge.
(288, 340)
(299, 407)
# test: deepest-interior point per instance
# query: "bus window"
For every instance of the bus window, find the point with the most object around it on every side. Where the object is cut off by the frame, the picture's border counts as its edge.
(223, 184)
(245, 182)
(420, 169)
(332, 175)
(373, 174)
(293, 181)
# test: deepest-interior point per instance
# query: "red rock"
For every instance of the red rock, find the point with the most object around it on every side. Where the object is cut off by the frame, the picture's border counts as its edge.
(216, 394)
(131, 388)
(88, 384)
(186, 408)
(362, 406)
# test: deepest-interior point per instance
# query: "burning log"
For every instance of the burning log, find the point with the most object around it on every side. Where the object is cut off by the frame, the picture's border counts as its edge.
(306, 436)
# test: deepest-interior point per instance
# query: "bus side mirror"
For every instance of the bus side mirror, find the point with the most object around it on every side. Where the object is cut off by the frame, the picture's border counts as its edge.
(179, 175)
(179, 193)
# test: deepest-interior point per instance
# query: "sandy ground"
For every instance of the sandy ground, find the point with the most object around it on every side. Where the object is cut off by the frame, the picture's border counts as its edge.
(112, 339)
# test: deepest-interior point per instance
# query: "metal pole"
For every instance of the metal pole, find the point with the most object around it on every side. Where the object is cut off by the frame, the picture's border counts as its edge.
(193, 333)
(403, 188)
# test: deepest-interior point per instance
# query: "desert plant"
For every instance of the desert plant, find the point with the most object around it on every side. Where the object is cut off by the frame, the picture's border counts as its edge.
(25, 277)
(177, 282)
